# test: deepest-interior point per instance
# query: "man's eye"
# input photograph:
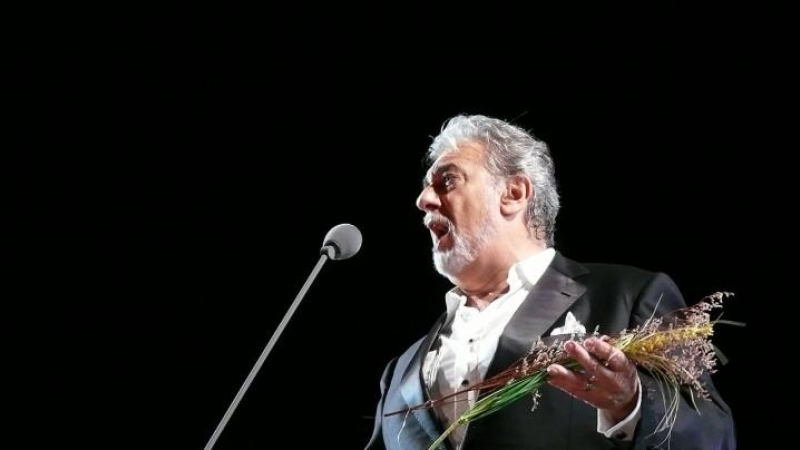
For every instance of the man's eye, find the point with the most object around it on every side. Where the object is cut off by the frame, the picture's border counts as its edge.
(443, 182)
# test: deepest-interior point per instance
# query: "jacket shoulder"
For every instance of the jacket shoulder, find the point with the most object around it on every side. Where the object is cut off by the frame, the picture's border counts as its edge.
(603, 269)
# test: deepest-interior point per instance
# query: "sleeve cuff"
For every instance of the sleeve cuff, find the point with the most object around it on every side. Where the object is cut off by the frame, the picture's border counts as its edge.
(625, 428)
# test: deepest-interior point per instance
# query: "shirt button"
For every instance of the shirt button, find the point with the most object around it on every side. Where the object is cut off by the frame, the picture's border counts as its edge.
(464, 382)
(471, 340)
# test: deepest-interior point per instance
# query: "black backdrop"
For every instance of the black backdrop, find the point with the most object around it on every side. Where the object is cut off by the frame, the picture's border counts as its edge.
(208, 156)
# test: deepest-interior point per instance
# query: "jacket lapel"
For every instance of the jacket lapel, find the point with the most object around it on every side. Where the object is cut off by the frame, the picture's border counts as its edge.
(551, 297)
(412, 387)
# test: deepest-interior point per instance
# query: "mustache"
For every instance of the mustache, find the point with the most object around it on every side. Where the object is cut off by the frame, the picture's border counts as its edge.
(435, 219)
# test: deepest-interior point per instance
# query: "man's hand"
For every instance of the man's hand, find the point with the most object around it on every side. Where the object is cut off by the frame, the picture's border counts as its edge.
(606, 380)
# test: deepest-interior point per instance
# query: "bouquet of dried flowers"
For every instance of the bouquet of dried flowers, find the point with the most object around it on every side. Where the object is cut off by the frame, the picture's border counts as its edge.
(676, 349)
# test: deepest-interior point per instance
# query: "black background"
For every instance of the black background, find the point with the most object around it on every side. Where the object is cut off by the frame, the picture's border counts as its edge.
(199, 158)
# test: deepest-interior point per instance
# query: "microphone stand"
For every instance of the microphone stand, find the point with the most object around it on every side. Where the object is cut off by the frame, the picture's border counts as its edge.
(327, 252)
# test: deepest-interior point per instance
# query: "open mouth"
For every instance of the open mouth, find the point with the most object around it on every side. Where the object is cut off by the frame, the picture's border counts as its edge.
(440, 227)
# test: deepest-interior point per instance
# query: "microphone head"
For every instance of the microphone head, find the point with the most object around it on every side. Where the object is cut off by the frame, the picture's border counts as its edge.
(341, 242)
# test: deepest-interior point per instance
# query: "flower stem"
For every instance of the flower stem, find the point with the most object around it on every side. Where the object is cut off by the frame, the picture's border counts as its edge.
(501, 398)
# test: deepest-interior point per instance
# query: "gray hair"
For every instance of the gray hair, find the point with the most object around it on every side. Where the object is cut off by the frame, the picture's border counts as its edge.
(510, 151)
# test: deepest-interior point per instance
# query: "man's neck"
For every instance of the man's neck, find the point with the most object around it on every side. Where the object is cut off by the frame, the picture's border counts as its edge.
(482, 300)
(484, 282)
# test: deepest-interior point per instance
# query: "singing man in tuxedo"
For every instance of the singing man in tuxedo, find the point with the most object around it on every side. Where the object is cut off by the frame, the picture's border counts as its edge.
(490, 202)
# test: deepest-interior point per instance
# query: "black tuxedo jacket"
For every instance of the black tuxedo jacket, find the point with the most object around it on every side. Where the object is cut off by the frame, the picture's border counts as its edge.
(609, 297)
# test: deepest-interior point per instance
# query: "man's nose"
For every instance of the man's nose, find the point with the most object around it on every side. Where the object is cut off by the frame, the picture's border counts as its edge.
(427, 199)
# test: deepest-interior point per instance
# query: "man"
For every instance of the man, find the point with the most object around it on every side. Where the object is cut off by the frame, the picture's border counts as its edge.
(490, 202)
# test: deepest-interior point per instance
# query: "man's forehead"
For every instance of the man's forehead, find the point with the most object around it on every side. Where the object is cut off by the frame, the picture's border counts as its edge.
(455, 157)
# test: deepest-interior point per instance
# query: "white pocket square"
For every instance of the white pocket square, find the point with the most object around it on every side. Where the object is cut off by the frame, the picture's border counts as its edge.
(571, 326)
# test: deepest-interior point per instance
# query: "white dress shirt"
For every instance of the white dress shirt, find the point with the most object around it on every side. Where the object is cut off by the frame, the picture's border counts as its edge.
(463, 357)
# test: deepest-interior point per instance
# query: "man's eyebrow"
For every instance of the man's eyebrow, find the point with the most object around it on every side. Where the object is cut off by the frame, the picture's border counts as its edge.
(436, 171)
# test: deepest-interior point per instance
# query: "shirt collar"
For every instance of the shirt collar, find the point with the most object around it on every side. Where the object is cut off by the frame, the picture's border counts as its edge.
(523, 272)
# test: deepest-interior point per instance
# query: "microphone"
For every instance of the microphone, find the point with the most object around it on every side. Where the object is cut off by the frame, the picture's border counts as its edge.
(342, 242)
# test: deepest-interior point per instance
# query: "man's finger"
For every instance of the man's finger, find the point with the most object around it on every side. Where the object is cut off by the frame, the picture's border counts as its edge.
(577, 351)
(568, 380)
(607, 354)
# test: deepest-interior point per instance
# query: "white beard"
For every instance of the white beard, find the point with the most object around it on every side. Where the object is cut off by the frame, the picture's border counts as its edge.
(464, 251)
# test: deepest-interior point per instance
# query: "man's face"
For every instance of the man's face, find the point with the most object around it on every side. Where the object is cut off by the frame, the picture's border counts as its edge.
(459, 198)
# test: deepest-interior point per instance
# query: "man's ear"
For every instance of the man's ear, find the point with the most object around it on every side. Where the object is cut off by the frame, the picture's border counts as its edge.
(517, 193)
